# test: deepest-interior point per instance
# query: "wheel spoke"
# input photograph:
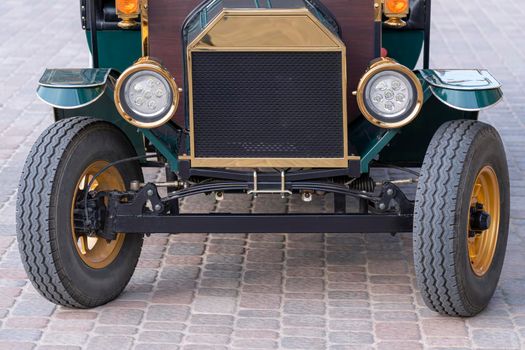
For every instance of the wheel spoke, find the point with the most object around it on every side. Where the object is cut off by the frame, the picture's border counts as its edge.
(94, 185)
(91, 242)
(475, 192)
(83, 244)
(82, 183)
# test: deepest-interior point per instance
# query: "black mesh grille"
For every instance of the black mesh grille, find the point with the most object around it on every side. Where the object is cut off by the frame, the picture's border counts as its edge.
(267, 104)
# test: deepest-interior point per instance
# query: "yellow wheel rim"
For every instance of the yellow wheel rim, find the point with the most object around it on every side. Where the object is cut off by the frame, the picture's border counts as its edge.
(97, 252)
(482, 244)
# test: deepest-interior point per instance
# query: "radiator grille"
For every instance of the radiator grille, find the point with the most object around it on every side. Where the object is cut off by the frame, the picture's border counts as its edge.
(267, 105)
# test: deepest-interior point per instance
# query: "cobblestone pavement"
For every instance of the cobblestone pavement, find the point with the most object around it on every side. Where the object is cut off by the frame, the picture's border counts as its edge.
(259, 291)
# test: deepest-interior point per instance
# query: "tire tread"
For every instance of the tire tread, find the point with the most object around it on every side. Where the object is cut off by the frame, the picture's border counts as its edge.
(35, 220)
(434, 250)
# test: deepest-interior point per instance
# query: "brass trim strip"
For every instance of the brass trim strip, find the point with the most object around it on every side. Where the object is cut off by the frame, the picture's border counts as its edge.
(335, 45)
(378, 8)
(271, 162)
(144, 27)
(267, 49)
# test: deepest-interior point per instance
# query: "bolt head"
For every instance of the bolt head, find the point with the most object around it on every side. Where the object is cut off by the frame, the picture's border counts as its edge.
(307, 197)
(150, 193)
(158, 207)
(382, 206)
(482, 221)
(390, 191)
(485, 220)
(134, 185)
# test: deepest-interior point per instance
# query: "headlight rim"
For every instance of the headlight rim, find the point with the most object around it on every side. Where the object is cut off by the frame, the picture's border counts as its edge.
(382, 65)
(146, 64)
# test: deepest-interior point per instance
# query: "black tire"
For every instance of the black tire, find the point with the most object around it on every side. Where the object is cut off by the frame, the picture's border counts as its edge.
(45, 195)
(456, 155)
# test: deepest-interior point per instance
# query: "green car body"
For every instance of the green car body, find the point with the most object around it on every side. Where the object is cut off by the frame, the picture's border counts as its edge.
(119, 49)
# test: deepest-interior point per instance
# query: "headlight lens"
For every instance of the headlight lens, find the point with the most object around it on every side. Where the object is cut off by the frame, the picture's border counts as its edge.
(146, 94)
(389, 94)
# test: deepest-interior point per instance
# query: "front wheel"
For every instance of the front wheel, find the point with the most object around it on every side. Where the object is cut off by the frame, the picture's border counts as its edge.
(461, 218)
(66, 265)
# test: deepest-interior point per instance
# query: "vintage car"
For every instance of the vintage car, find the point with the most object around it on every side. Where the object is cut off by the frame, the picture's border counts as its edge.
(273, 97)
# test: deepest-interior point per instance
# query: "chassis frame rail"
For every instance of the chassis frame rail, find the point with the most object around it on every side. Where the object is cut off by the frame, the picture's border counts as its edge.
(263, 223)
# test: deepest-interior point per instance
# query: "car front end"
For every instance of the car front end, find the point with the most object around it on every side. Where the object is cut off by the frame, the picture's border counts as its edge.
(273, 97)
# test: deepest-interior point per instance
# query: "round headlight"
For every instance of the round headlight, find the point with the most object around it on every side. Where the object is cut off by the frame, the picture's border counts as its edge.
(389, 95)
(146, 94)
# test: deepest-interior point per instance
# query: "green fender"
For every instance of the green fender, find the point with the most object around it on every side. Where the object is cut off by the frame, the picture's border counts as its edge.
(74, 88)
(465, 90)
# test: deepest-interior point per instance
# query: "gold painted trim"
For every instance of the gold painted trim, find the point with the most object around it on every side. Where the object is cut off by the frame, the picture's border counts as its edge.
(146, 63)
(337, 46)
(381, 65)
(144, 28)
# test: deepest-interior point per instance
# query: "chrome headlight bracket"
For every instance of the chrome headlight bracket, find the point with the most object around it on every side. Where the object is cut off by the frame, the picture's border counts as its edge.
(403, 111)
(168, 94)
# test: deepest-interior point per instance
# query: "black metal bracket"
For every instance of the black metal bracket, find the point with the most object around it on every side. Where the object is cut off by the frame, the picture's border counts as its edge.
(92, 15)
(146, 195)
(83, 14)
(428, 22)
(136, 204)
(393, 199)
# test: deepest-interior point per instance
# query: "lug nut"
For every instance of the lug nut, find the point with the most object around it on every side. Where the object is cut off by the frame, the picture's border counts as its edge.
(158, 207)
(382, 206)
(150, 193)
(390, 192)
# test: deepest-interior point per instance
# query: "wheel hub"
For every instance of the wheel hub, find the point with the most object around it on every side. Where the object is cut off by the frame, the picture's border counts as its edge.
(480, 220)
(97, 252)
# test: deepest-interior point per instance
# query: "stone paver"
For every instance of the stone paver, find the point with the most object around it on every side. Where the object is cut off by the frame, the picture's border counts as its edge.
(258, 291)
